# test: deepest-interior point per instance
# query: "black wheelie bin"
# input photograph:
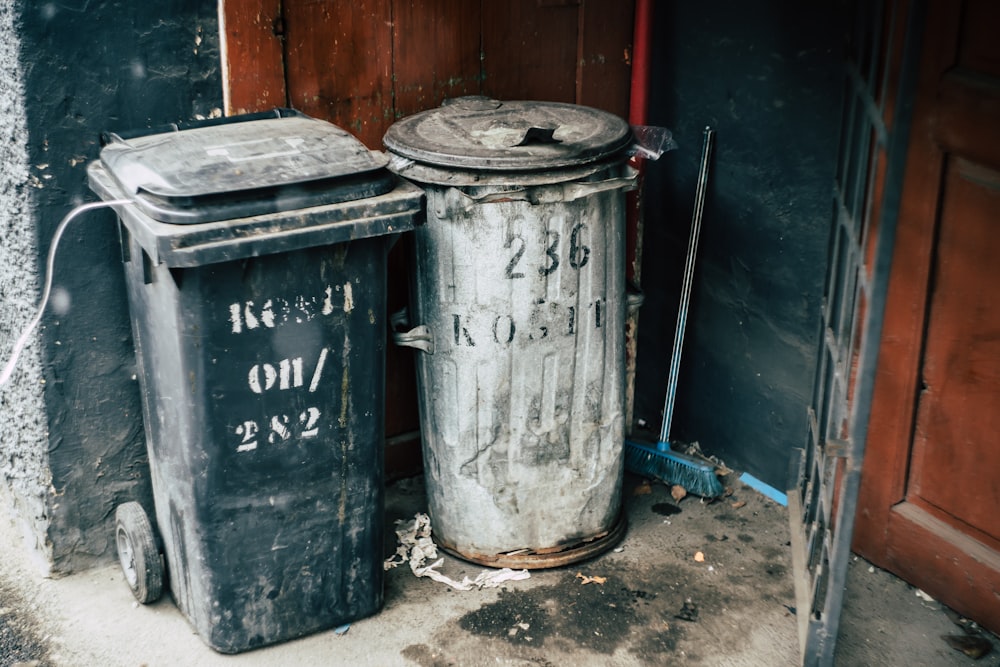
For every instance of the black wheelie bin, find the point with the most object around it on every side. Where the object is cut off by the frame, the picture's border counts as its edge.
(255, 258)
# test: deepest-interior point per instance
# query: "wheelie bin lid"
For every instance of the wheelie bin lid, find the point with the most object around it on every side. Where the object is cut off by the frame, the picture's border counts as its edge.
(241, 166)
(485, 134)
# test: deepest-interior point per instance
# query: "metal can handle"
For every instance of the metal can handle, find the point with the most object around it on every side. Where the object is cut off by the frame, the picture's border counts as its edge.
(419, 337)
(573, 191)
(558, 192)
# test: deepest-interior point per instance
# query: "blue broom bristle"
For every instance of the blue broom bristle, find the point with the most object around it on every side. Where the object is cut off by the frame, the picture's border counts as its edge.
(695, 476)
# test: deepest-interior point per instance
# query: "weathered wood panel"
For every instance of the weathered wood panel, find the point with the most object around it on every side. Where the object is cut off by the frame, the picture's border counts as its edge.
(436, 52)
(253, 59)
(338, 63)
(530, 49)
(927, 507)
(606, 57)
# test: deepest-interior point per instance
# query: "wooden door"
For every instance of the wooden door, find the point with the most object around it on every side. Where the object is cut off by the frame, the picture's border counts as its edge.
(929, 505)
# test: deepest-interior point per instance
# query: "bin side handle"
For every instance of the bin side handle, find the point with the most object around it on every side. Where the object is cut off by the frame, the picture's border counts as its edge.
(574, 191)
(419, 337)
(560, 192)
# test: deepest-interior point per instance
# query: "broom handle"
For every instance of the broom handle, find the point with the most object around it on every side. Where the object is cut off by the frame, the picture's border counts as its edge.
(682, 311)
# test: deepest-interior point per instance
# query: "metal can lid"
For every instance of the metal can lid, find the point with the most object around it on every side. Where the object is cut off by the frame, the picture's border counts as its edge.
(487, 134)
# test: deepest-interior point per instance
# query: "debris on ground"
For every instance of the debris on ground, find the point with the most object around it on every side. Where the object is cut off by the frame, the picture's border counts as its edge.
(677, 492)
(416, 548)
(974, 646)
(689, 612)
(972, 643)
(643, 489)
(967, 624)
(738, 504)
(924, 596)
(517, 626)
(693, 449)
(590, 580)
(699, 557)
(21, 639)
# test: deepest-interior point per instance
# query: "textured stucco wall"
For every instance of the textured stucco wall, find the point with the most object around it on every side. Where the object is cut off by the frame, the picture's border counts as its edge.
(86, 66)
(766, 76)
(24, 474)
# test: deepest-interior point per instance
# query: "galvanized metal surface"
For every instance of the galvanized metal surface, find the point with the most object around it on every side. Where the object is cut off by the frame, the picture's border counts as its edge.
(537, 559)
(522, 398)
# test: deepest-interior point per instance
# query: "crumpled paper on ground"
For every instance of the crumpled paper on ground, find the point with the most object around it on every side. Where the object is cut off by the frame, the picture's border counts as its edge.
(417, 547)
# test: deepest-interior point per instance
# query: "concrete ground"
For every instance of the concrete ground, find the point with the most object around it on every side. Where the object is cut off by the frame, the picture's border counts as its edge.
(652, 601)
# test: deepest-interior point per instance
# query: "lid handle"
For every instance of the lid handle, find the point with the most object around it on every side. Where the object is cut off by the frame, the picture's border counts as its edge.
(123, 137)
(538, 135)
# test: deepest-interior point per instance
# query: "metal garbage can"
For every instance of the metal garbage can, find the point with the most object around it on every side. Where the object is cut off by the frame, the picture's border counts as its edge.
(255, 257)
(517, 305)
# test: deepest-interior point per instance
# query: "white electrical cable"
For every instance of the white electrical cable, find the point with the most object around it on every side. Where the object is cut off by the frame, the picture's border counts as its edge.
(8, 370)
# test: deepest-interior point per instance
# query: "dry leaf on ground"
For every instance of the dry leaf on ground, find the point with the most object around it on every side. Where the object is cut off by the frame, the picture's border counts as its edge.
(643, 489)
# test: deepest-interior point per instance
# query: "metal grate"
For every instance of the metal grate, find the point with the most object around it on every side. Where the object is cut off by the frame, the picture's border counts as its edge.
(883, 50)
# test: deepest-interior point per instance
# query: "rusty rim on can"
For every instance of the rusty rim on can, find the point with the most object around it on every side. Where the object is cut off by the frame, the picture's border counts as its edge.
(537, 559)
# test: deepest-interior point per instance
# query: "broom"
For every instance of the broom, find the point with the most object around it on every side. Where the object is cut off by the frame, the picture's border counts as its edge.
(660, 461)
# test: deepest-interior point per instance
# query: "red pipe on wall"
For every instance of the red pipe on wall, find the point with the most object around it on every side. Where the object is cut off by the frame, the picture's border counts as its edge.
(637, 114)
(641, 35)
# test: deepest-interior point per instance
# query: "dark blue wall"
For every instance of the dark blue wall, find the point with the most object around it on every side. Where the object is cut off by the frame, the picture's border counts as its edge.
(766, 76)
(90, 66)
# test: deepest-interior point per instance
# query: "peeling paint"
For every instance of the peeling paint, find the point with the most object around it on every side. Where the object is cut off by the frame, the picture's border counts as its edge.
(348, 297)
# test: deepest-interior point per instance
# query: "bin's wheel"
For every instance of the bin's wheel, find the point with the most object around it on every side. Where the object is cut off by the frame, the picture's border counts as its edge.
(137, 552)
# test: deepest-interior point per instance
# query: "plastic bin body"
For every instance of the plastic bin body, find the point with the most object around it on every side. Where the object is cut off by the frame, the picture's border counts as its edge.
(265, 436)
(260, 344)
(519, 279)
